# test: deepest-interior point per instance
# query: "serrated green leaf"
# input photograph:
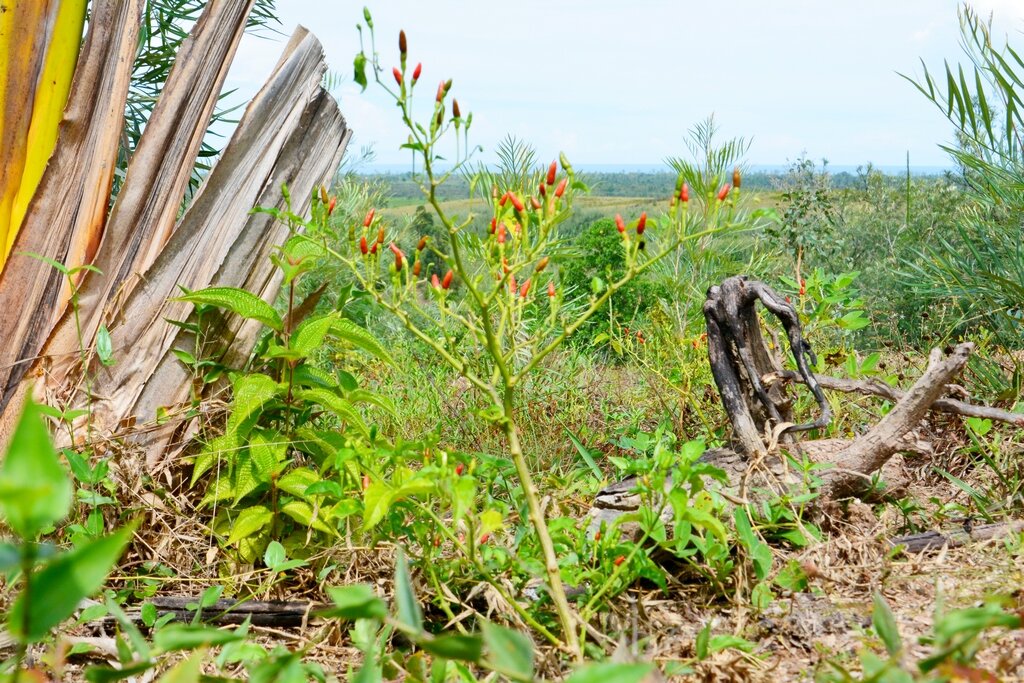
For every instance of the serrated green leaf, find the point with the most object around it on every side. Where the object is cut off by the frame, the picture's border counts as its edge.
(297, 481)
(239, 301)
(250, 394)
(250, 521)
(383, 402)
(360, 338)
(344, 410)
(221, 489)
(302, 512)
(311, 333)
(267, 450)
(246, 480)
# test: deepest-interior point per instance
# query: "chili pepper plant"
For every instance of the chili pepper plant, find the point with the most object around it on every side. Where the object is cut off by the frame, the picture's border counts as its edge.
(495, 309)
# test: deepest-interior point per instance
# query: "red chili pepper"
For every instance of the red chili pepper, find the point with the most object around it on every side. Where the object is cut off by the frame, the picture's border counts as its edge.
(504, 199)
(525, 289)
(362, 246)
(437, 541)
(641, 225)
(597, 535)
(542, 264)
(368, 219)
(736, 177)
(435, 282)
(416, 268)
(512, 286)
(373, 249)
(447, 281)
(422, 244)
(788, 300)
(620, 225)
(331, 204)
(535, 203)
(483, 539)
(494, 225)
(724, 191)
(551, 290)
(504, 266)
(560, 190)
(403, 46)
(399, 256)
(501, 233)
(619, 560)
(398, 75)
(552, 170)
(455, 109)
(517, 202)
(459, 469)
(543, 189)
(366, 481)
(803, 287)
(380, 235)
(440, 91)
(684, 193)
(416, 72)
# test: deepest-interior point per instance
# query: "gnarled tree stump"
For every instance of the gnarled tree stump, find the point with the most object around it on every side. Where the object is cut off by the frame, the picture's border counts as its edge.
(754, 389)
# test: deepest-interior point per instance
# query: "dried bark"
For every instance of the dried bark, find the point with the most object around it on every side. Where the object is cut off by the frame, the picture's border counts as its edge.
(65, 218)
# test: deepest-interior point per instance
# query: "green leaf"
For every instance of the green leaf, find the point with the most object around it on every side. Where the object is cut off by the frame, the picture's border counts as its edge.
(585, 454)
(408, 608)
(34, 488)
(251, 392)
(376, 502)
(189, 637)
(297, 481)
(267, 450)
(360, 338)
(508, 651)
(462, 648)
(311, 333)
(63, 582)
(302, 513)
(760, 553)
(104, 346)
(239, 301)
(610, 672)
(355, 602)
(274, 555)
(344, 410)
(187, 671)
(885, 625)
(250, 521)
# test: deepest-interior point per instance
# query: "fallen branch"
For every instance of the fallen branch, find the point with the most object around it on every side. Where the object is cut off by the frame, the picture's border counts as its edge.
(875, 387)
(933, 540)
(869, 452)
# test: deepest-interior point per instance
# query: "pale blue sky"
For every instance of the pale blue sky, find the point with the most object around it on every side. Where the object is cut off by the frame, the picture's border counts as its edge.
(614, 82)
